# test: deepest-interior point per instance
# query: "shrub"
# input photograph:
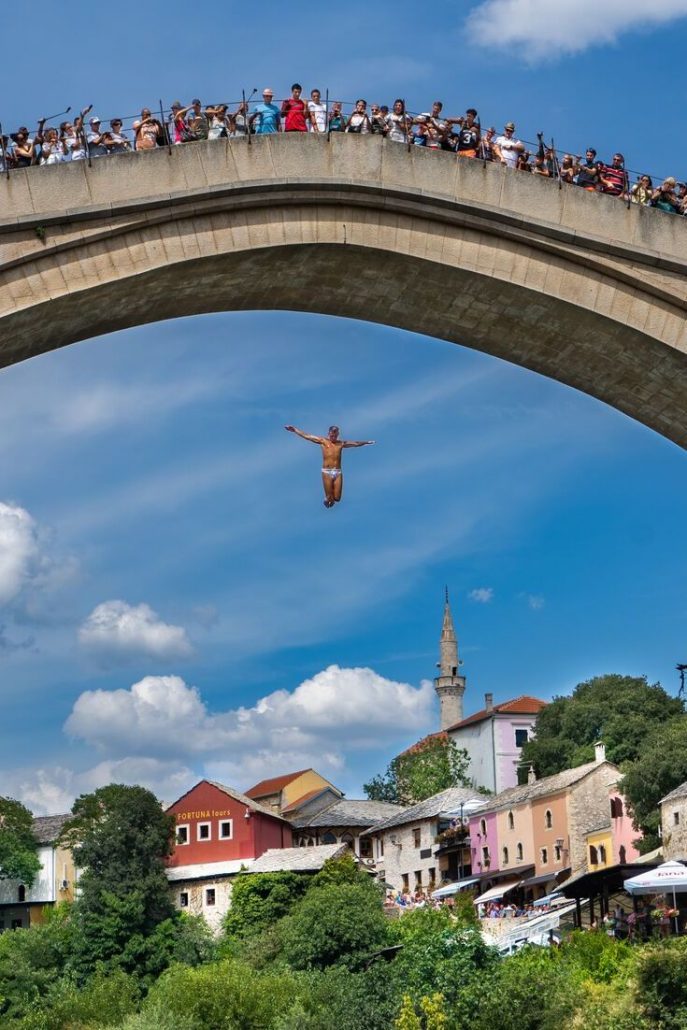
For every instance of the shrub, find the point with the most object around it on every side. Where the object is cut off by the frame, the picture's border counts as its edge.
(662, 984)
(259, 900)
(334, 924)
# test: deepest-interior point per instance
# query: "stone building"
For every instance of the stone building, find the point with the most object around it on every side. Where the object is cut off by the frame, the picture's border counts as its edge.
(291, 789)
(22, 906)
(537, 833)
(449, 685)
(341, 820)
(674, 824)
(219, 832)
(406, 848)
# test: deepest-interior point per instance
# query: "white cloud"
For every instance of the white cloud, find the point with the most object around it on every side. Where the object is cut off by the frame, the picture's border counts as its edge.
(161, 715)
(116, 630)
(535, 601)
(541, 29)
(482, 595)
(51, 791)
(19, 550)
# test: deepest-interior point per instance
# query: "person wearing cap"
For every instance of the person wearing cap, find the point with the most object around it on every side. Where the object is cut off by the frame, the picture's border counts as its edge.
(266, 117)
(95, 138)
(177, 126)
(664, 197)
(198, 120)
(507, 148)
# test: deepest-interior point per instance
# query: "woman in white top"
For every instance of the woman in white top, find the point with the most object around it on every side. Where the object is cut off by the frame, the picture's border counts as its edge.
(398, 123)
(53, 149)
(219, 125)
(73, 136)
(359, 120)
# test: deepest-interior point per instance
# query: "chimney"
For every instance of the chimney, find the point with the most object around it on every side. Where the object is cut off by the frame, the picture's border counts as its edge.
(488, 702)
(531, 775)
(599, 752)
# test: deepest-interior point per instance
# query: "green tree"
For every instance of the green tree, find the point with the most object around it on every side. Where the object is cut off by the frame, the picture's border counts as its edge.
(622, 711)
(32, 962)
(120, 838)
(343, 870)
(260, 899)
(18, 845)
(335, 924)
(661, 767)
(428, 767)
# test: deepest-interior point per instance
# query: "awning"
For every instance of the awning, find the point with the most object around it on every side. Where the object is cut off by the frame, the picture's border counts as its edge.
(454, 888)
(534, 880)
(497, 892)
(550, 899)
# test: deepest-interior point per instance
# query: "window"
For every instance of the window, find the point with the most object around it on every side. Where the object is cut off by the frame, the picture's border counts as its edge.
(347, 838)
(557, 853)
(226, 829)
(483, 827)
(183, 899)
(404, 878)
(210, 896)
(548, 819)
(622, 854)
(417, 837)
(485, 857)
(511, 821)
(544, 856)
(21, 893)
(504, 856)
(602, 854)
(520, 738)
(365, 847)
(593, 855)
(203, 831)
(431, 876)
(17, 924)
(380, 848)
(616, 808)
(518, 852)
(182, 834)
(676, 818)
(418, 878)
(329, 837)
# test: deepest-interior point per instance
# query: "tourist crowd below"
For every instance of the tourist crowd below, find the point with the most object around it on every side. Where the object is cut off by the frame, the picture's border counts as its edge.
(86, 138)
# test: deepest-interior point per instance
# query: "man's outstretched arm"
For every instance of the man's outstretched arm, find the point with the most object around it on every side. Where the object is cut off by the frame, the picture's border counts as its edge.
(304, 436)
(358, 443)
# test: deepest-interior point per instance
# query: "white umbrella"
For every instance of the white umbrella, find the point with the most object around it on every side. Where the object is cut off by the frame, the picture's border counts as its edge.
(671, 876)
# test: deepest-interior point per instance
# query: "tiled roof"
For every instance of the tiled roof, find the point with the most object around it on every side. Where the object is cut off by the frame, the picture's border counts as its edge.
(273, 786)
(47, 828)
(679, 792)
(540, 788)
(243, 799)
(348, 812)
(303, 800)
(296, 860)
(446, 801)
(523, 705)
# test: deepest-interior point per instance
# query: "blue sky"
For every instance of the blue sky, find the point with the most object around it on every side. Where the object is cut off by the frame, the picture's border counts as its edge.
(174, 599)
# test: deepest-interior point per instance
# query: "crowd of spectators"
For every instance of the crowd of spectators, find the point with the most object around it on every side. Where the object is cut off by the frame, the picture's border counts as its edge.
(87, 138)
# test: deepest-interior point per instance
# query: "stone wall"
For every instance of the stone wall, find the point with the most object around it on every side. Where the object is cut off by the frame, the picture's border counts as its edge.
(674, 834)
(588, 809)
(403, 857)
(196, 893)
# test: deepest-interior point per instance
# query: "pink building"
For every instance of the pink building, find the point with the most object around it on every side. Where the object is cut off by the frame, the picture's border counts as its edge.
(484, 844)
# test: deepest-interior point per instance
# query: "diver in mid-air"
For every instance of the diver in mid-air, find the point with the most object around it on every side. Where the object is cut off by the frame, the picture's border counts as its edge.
(332, 446)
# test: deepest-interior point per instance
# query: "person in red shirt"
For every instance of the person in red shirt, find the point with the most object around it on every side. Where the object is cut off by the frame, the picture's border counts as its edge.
(294, 111)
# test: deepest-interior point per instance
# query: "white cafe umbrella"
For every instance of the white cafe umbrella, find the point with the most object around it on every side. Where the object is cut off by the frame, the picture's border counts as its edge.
(671, 876)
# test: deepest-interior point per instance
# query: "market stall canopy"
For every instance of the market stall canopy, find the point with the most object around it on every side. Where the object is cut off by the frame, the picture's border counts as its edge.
(494, 893)
(453, 888)
(669, 877)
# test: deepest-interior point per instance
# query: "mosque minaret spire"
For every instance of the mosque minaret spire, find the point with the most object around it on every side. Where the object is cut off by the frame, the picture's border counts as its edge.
(449, 685)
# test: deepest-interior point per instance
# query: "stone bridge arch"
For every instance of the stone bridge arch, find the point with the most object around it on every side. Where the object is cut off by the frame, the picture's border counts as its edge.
(575, 286)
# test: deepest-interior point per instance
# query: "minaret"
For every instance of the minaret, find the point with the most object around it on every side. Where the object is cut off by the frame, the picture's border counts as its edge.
(449, 686)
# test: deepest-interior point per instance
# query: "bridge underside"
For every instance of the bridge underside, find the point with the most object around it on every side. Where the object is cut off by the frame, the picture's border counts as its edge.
(539, 332)
(573, 286)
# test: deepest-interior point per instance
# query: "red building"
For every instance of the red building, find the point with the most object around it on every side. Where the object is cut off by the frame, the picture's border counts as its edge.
(218, 832)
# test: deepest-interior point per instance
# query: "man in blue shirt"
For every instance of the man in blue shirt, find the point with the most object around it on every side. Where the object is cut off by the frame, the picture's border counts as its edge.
(266, 116)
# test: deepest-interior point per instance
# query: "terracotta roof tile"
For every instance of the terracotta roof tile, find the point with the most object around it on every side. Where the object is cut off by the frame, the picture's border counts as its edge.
(523, 705)
(273, 786)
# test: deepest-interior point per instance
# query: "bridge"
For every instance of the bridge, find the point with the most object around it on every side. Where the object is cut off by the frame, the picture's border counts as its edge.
(573, 285)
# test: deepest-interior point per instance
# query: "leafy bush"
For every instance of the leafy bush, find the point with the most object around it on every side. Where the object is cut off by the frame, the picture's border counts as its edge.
(259, 900)
(334, 924)
(31, 962)
(662, 984)
(220, 995)
(104, 1001)
(531, 990)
